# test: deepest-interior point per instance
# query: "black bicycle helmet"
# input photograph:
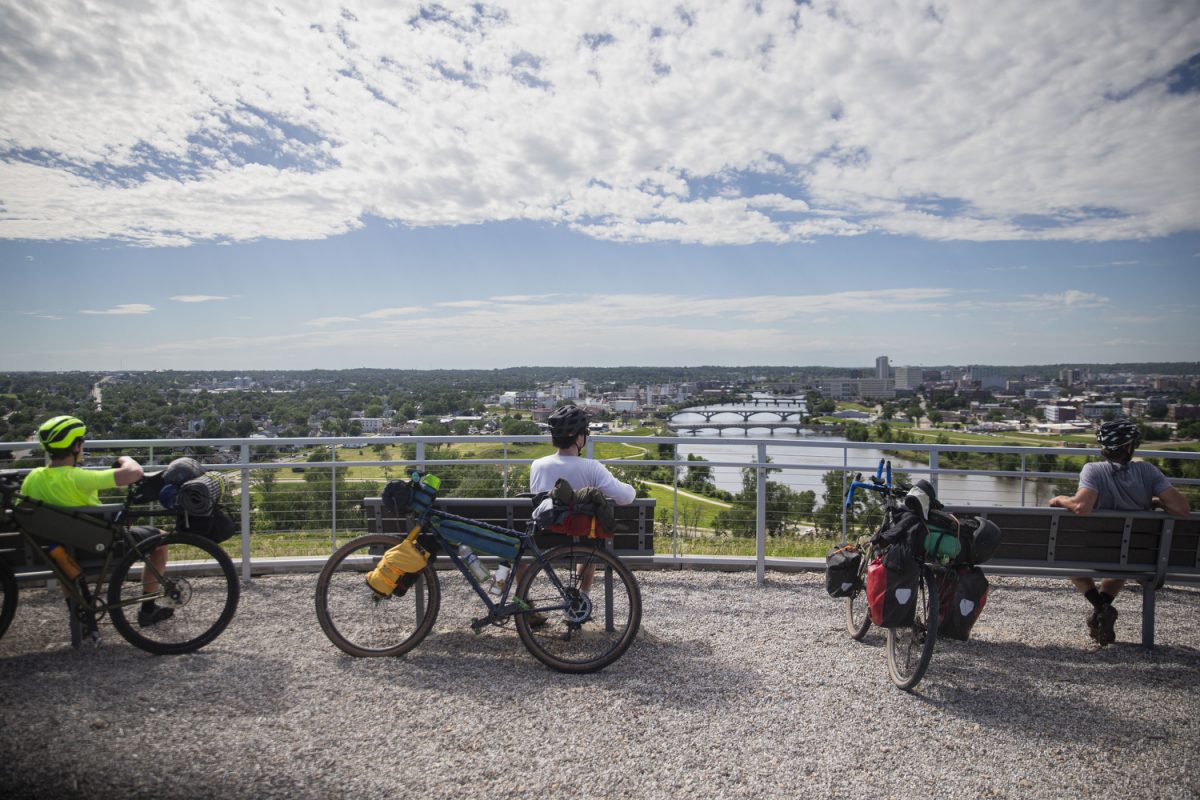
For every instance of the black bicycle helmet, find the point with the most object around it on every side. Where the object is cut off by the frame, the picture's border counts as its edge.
(568, 421)
(984, 541)
(1117, 434)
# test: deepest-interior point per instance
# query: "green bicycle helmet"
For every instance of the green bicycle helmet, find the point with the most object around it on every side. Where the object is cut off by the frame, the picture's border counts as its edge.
(60, 433)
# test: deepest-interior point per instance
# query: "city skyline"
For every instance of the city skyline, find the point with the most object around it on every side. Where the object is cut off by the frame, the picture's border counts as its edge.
(494, 185)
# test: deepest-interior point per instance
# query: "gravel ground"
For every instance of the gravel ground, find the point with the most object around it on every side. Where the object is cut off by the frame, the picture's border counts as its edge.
(731, 690)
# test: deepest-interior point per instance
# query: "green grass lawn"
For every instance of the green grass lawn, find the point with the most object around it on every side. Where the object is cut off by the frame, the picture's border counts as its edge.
(777, 547)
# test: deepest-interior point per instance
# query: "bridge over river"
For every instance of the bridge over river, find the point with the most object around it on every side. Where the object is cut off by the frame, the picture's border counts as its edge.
(694, 427)
(721, 419)
(757, 413)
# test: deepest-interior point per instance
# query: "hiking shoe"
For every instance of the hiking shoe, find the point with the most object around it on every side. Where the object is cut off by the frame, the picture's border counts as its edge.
(1107, 619)
(1100, 622)
(153, 615)
(536, 619)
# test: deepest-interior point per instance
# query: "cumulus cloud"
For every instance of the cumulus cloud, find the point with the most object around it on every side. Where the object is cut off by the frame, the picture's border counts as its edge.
(725, 123)
(121, 310)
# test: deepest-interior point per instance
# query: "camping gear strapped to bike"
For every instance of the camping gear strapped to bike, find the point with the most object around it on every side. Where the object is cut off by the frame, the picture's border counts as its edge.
(918, 573)
(576, 607)
(193, 494)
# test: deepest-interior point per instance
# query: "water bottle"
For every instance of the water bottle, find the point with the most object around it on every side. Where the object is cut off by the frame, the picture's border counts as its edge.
(478, 570)
(499, 578)
(65, 562)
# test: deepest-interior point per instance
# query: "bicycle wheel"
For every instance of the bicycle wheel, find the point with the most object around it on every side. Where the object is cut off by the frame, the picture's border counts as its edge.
(587, 627)
(200, 587)
(858, 620)
(361, 622)
(8, 603)
(911, 647)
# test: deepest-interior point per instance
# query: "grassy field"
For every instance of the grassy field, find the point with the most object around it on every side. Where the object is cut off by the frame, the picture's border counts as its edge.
(777, 547)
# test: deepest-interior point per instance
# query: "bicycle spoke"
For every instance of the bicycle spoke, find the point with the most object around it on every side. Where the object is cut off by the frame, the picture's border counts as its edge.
(590, 620)
(361, 622)
(195, 599)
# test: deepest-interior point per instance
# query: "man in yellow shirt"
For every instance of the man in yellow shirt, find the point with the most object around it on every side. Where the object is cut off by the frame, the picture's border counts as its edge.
(64, 483)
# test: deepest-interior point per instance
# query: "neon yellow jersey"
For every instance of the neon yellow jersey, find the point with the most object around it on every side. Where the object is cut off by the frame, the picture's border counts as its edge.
(68, 486)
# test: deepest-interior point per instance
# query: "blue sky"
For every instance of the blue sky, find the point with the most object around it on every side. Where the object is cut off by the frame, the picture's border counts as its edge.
(487, 185)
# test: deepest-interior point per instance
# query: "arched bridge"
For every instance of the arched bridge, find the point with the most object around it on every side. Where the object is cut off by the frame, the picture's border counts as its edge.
(745, 414)
(696, 426)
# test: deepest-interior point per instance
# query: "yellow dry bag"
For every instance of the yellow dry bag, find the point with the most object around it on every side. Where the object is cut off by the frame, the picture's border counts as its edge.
(406, 558)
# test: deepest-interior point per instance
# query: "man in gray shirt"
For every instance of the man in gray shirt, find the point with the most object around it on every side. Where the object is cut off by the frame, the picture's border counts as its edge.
(1117, 484)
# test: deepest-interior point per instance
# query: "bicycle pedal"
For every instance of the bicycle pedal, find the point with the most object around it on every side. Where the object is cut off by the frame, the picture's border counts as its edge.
(477, 625)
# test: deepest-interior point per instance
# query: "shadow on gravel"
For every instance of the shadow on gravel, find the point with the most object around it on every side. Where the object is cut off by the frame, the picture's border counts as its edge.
(1058, 690)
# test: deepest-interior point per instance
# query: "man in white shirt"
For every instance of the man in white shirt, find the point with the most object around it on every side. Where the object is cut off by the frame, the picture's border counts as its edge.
(569, 432)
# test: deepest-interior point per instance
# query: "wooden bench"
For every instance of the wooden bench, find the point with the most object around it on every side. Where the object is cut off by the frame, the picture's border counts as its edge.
(1149, 547)
(633, 540)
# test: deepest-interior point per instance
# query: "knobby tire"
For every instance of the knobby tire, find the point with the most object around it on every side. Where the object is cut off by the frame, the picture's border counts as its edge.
(201, 587)
(910, 647)
(858, 618)
(583, 632)
(361, 622)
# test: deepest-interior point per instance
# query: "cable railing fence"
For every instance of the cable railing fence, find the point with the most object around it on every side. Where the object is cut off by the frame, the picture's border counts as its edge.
(296, 500)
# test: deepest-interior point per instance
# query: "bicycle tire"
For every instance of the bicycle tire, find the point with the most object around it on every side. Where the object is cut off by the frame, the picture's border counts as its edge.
(584, 631)
(8, 603)
(361, 622)
(202, 590)
(858, 618)
(910, 647)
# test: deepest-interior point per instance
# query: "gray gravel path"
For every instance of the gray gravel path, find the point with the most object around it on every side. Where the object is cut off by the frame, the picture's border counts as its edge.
(731, 690)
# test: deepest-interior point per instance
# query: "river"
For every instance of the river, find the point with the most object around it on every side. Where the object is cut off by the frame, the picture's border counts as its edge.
(980, 490)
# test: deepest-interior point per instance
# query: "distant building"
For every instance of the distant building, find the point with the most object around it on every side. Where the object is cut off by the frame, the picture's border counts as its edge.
(1181, 411)
(1096, 411)
(1044, 393)
(909, 377)
(1056, 413)
(882, 370)
(877, 388)
(986, 378)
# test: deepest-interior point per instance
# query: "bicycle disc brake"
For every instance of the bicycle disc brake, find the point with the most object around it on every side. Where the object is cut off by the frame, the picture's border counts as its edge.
(176, 593)
(579, 608)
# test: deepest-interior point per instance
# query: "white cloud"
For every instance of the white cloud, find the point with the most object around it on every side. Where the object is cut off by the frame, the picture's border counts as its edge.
(325, 322)
(121, 310)
(197, 298)
(1073, 298)
(766, 122)
(388, 313)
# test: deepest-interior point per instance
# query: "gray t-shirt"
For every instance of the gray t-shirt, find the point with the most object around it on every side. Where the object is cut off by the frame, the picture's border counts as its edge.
(1123, 487)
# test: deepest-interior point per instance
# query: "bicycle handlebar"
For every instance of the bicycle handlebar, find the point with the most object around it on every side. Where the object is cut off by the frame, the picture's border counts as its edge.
(877, 483)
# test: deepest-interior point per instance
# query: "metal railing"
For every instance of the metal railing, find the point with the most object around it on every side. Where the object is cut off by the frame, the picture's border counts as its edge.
(319, 499)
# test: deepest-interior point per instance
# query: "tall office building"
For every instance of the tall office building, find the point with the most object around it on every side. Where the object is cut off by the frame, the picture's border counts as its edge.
(882, 370)
(909, 377)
